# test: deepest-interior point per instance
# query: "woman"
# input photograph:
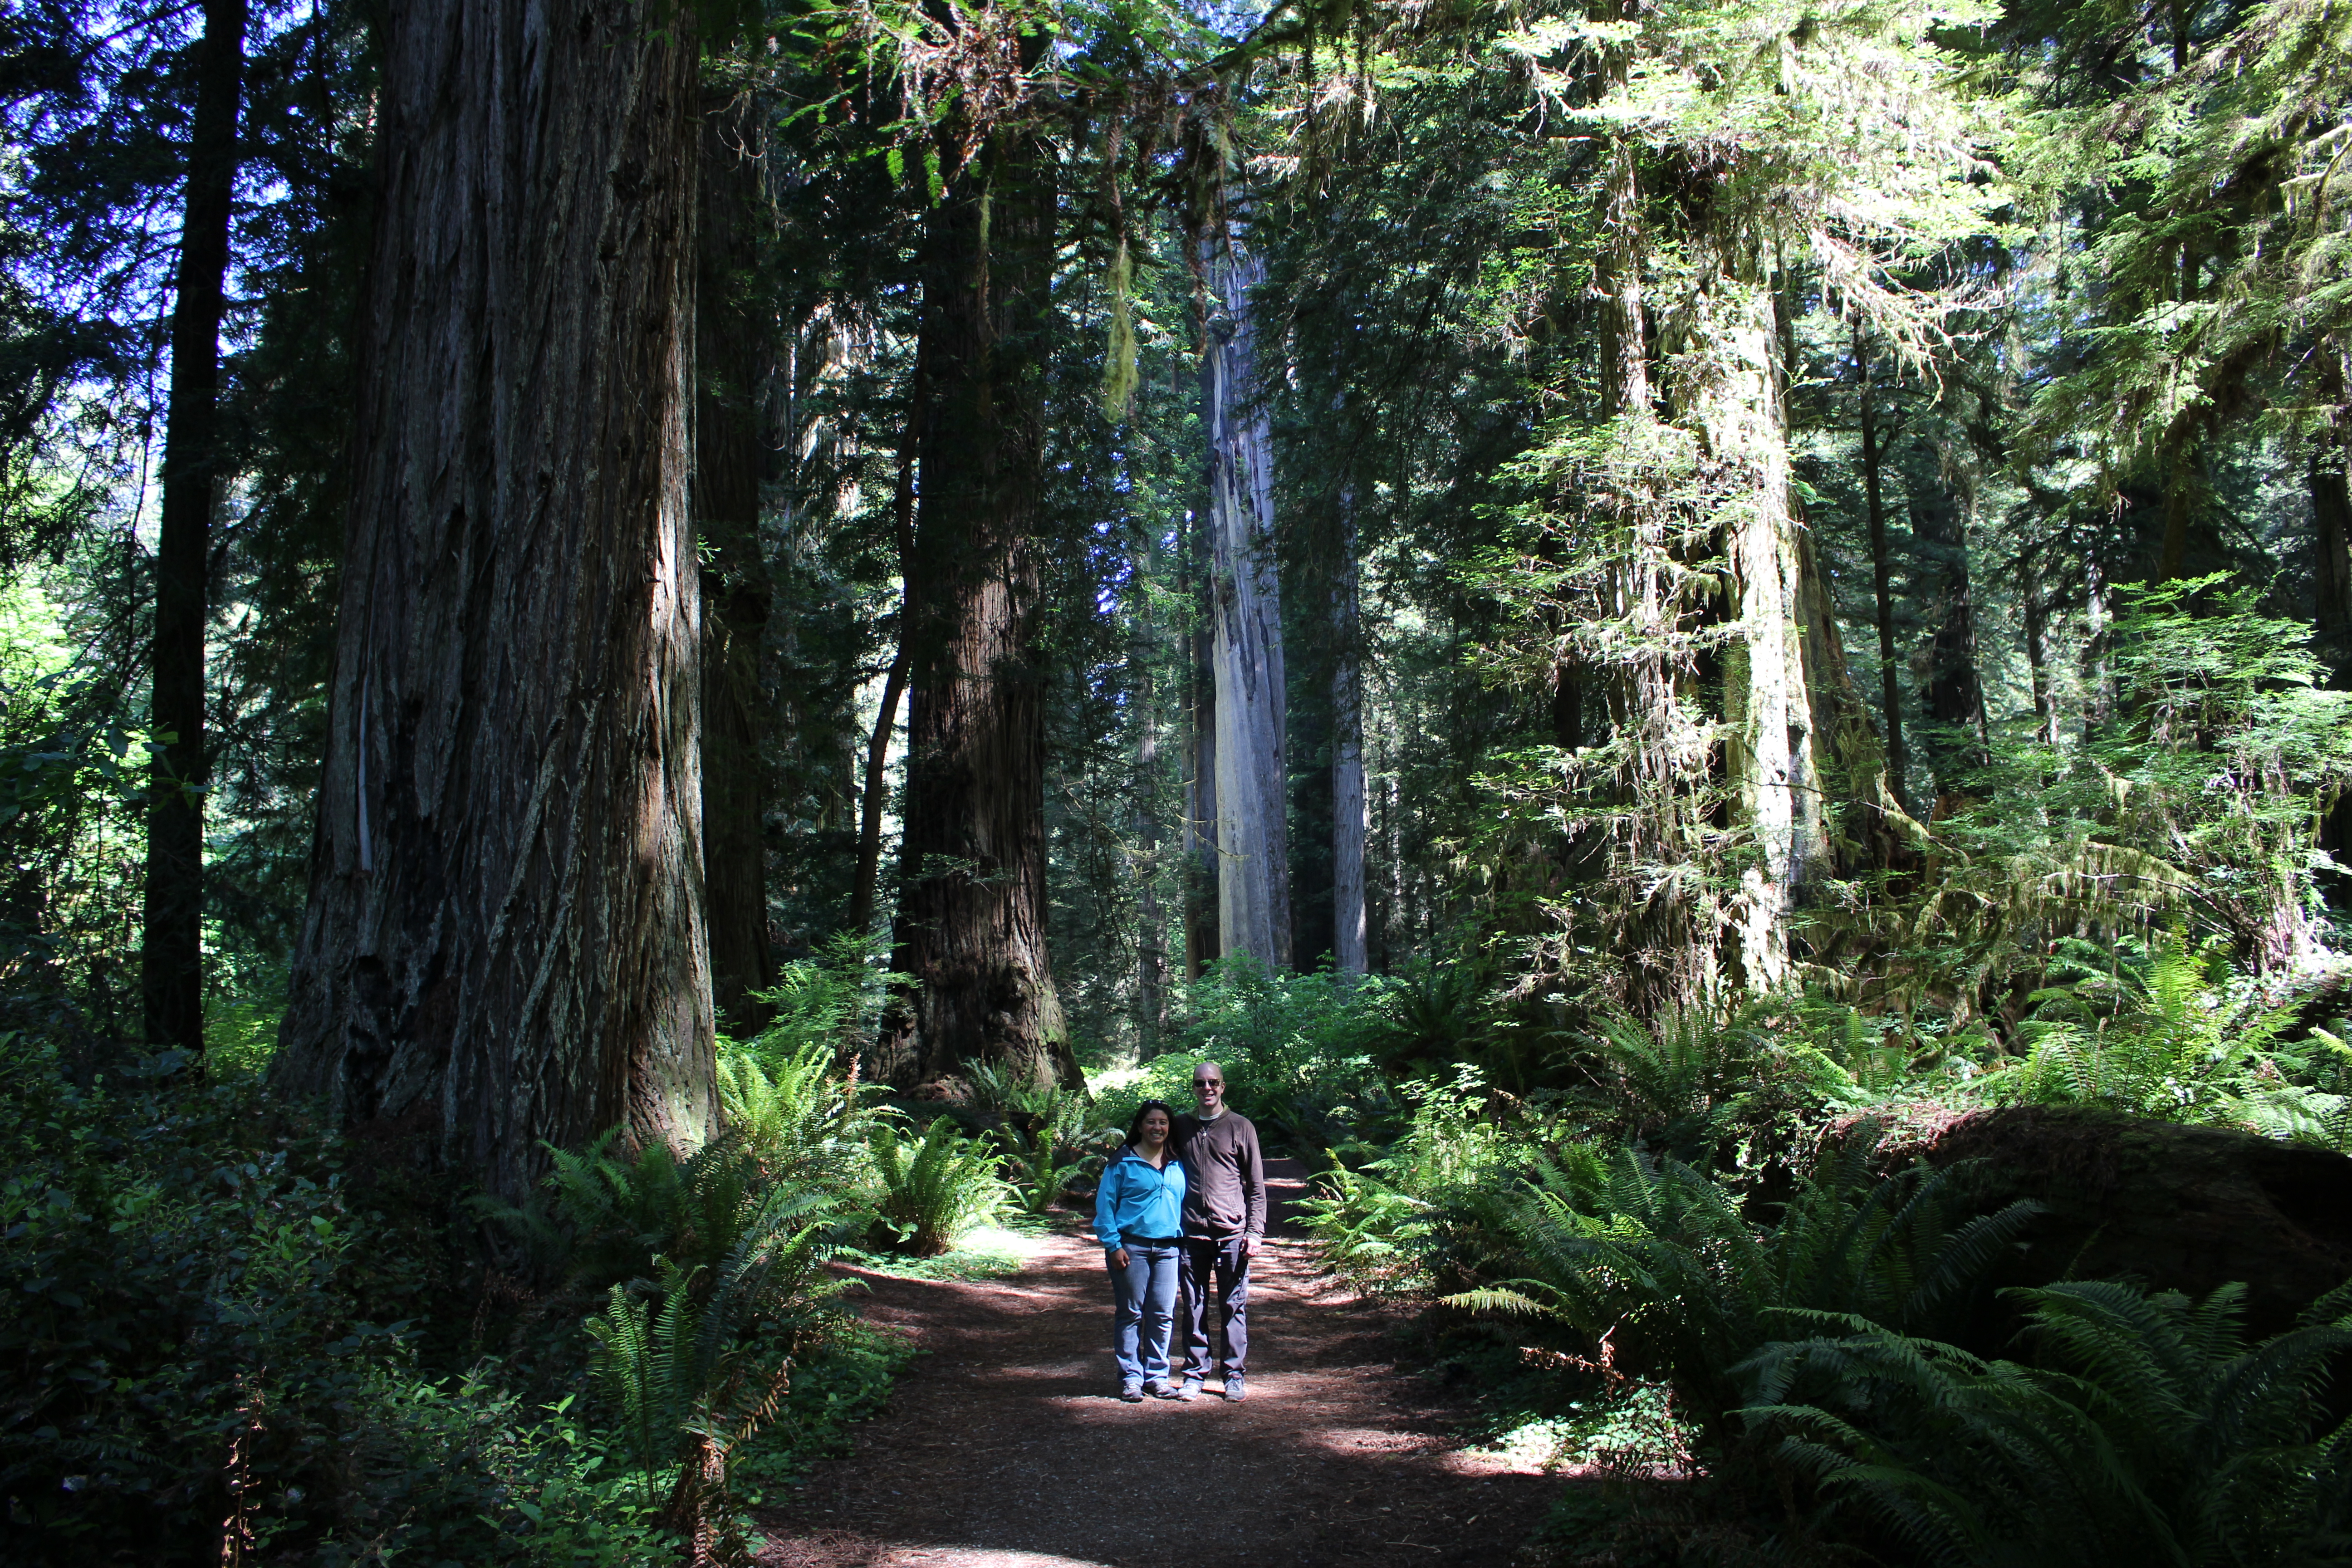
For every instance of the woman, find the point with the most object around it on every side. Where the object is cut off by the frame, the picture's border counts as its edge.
(1139, 1220)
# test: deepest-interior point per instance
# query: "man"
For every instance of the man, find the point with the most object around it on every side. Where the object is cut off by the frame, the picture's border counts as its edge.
(1224, 1224)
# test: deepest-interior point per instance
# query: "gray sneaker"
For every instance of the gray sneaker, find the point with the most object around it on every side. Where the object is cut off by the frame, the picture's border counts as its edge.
(1235, 1390)
(1132, 1393)
(1189, 1392)
(1159, 1388)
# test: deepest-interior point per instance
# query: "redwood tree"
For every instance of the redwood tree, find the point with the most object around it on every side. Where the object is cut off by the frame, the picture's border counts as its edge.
(971, 929)
(733, 349)
(171, 975)
(504, 940)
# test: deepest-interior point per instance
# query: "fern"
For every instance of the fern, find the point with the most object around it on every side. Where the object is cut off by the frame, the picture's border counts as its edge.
(2148, 1432)
(1664, 1252)
(934, 1187)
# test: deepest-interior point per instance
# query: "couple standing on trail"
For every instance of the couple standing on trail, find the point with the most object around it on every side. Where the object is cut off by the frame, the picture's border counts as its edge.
(1181, 1204)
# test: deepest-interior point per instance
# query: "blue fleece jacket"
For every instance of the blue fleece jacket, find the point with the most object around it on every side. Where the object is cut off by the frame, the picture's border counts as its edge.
(1136, 1200)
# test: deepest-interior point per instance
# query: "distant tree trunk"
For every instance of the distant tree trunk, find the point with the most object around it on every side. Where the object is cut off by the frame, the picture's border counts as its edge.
(2037, 655)
(1349, 949)
(2331, 524)
(1201, 926)
(1890, 686)
(1152, 940)
(1955, 692)
(1245, 618)
(505, 940)
(171, 970)
(862, 894)
(2183, 488)
(732, 346)
(972, 901)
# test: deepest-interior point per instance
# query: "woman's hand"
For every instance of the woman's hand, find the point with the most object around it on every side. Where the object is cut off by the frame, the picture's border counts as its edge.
(1118, 1259)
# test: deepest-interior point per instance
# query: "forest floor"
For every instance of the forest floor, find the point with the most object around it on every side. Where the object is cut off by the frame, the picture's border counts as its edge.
(1006, 1445)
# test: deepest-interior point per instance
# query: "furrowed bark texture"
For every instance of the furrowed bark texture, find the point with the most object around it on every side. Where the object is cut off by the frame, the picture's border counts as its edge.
(504, 940)
(971, 902)
(1349, 949)
(1245, 618)
(732, 353)
(171, 975)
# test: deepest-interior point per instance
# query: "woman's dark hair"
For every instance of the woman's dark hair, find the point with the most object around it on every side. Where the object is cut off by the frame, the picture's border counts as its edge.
(1135, 1128)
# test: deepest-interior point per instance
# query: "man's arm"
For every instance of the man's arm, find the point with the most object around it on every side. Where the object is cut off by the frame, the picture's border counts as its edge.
(1252, 1175)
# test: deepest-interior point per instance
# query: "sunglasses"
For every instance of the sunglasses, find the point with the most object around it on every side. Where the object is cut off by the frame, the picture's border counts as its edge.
(1208, 1083)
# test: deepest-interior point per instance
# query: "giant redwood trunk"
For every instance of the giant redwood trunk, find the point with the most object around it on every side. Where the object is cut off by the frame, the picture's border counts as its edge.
(972, 911)
(1252, 838)
(504, 940)
(732, 342)
(172, 979)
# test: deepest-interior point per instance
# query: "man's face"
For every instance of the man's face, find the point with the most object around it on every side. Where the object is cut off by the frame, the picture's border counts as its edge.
(1209, 1089)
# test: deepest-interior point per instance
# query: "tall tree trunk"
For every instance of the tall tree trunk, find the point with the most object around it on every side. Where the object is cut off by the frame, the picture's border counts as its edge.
(2331, 521)
(1768, 738)
(2037, 654)
(732, 349)
(504, 940)
(862, 892)
(1201, 926)
(1245, 618)
(971, 902)
(171, 971)
(1890, 688)
(1957, 746)
(1349, 949)
(1151, 939)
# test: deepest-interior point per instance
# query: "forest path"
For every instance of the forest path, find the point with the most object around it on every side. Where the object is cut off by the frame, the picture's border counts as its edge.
(1006, 1445)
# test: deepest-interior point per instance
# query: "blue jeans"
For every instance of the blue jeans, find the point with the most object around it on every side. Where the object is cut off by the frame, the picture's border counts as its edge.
(1145, 1293)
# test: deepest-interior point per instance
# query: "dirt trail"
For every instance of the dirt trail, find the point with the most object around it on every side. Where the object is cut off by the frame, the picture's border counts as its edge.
(1006, 1445)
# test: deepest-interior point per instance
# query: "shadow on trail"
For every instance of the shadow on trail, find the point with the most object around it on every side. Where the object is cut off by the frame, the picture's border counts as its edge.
(1006, 1445)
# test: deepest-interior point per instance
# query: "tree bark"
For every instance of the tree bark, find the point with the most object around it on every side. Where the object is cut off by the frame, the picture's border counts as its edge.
(1348, 950)
(1890, 688)
(732, 348)
(171, 971)
(1253, 836)
(1151, 936)
(504, 940)
(971, 903)
(1200, 944)
(1769, 737)
(2331, 565)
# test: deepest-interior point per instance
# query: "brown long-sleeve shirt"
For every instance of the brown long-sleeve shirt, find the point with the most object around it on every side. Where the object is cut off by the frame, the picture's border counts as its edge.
(1224, 1175)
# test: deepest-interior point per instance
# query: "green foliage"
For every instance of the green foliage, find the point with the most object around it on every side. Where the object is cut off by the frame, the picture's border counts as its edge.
(935, 1185)
(1661, 1258)
(2145, 1431)
(1430, 1208)
(206, 1327)
(798, 1115)
(2170, 1043)
(1299, 1053)
(1049, 1140)
(830, 1000)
